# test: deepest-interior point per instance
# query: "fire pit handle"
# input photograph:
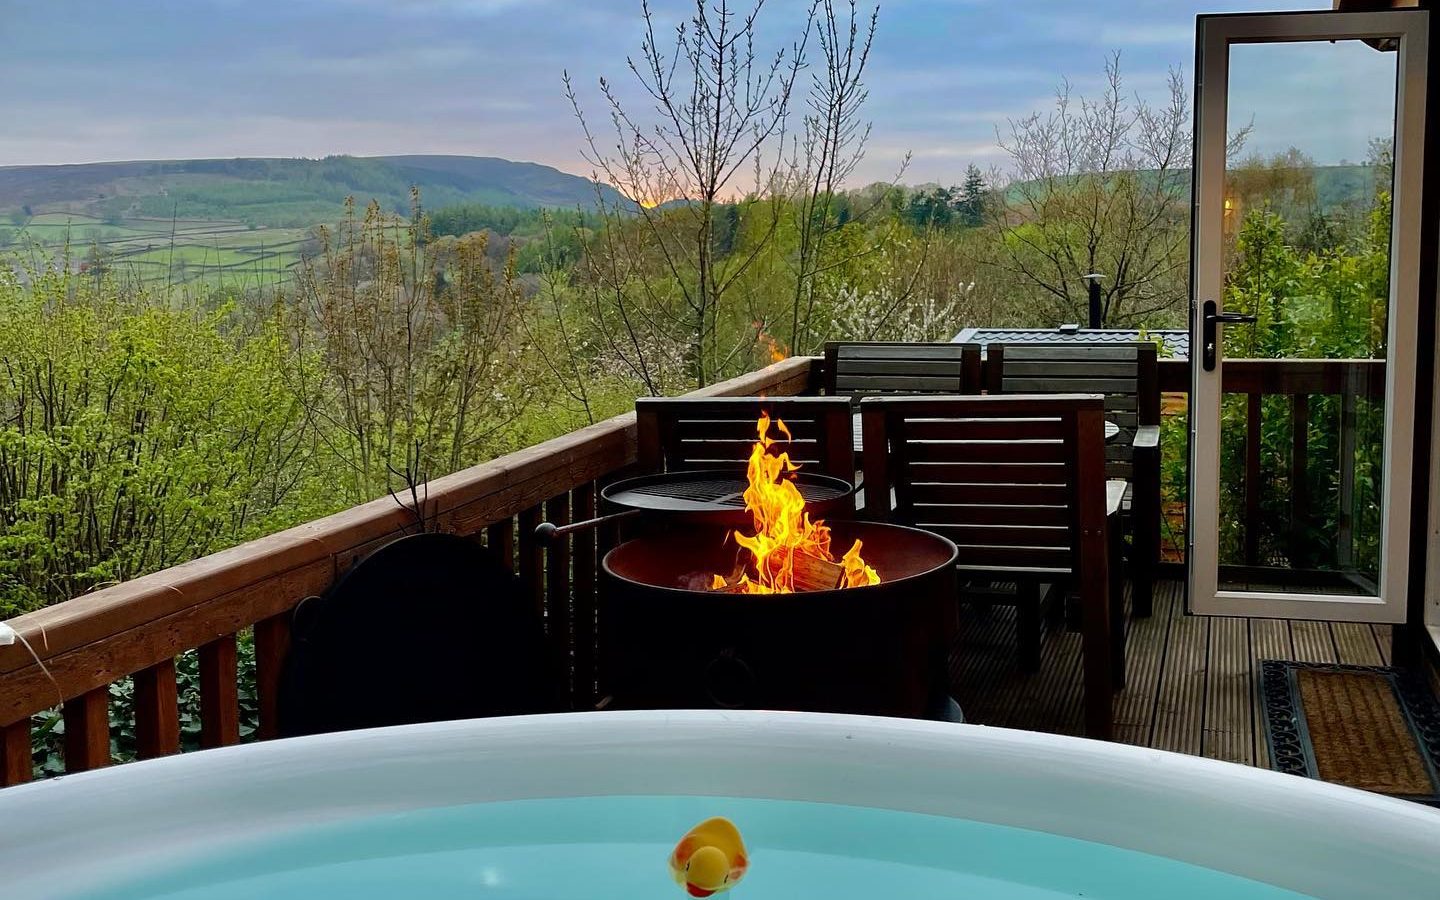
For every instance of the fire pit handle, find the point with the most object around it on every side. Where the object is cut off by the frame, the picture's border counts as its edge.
(550, 533)
(730, 683)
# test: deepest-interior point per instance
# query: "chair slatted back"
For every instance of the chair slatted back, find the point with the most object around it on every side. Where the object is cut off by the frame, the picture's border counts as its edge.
(1126, 374)
(678, 433)
(1005, 478)
(859, 369)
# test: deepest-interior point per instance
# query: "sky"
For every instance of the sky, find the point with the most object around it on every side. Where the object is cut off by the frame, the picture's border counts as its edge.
(90, 80)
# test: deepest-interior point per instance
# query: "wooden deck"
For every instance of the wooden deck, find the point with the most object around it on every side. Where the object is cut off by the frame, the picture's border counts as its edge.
(1192, 681)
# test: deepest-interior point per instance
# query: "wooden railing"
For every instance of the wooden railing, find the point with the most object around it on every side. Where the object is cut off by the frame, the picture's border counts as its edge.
(139, 627)
(1301, 380)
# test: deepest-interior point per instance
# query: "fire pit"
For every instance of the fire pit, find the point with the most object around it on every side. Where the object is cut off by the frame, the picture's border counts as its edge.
(673, 643)
(780, 615)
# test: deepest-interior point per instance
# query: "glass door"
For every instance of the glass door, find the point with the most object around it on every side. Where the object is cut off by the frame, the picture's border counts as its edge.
(1305, 269)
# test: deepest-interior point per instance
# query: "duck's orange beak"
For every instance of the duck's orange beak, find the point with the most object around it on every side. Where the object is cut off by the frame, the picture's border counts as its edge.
(696, 890)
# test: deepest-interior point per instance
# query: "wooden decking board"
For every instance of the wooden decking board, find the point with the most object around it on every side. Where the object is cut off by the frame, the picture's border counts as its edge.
(1228, 730)
(1193, 682)
(1382, 641)
(1041, 700)
(1145, 656)
(1269, 639)
(979, 665)
(1355, 644)
(1058, 687)
(1180, 704)
(991, 689)
(1313, 641)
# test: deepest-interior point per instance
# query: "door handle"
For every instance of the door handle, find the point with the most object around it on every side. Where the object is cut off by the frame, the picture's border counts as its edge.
(1208, 339)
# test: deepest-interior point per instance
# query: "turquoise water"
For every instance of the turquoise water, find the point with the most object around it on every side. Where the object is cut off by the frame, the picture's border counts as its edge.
(615, 848)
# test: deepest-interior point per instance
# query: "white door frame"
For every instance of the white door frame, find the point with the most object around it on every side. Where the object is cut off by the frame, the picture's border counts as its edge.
(1214, 35)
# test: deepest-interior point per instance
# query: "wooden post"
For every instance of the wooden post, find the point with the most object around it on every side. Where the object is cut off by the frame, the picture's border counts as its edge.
(836, 431)
(272, 644)
(15, 763)
(532, 559)
(607, 538)
(1116, 548)
(219, 694)
(157, 711)
(1252, 477)
(876, 459)
(500, 538)
(1299, 482)
(582, 502)
(1345, 532)
(557, 593)
(830, 367)
(971, 378)
(1093, 563)
(995, 368)
(87, 731)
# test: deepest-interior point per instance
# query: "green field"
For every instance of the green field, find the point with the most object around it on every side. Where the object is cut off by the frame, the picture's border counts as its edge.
(164, 251)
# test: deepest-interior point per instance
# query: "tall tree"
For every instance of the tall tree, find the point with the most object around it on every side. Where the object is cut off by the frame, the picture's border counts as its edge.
(716, 107)
(974, 198)
(831, 145)
(1100, 185)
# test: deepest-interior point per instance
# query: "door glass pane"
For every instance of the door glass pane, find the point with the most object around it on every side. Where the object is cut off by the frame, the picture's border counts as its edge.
(1307, 251)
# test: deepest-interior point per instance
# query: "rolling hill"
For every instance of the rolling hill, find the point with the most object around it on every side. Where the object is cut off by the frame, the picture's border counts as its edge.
(283, 192)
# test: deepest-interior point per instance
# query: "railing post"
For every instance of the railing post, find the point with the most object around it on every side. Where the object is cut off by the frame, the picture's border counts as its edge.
(219, 694)
(87, 731)
(15, 764)
(1253, 410)
(532, 559)
(582, 501)
(1345, 532)
(272, 643)
(157, 711)
(557, 593)
(500, 538)
(1299, 479)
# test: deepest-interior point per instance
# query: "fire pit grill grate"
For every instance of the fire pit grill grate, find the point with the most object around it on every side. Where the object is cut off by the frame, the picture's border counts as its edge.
(699, 493)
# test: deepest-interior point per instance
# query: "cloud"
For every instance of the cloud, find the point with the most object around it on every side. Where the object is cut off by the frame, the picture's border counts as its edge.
(479, 8)
(156, 79)
(1137, 34)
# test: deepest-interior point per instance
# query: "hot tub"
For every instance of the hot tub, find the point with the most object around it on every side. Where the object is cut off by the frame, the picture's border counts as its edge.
(587, 806)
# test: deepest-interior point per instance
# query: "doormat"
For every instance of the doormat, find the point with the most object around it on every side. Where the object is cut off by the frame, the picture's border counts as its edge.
(1368, 727)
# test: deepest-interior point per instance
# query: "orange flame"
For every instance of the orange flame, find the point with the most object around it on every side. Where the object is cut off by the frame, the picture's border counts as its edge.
(773, 348)
(783, 529)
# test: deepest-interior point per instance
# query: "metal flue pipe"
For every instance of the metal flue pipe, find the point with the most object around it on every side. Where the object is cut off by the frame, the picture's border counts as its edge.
(1097, 317)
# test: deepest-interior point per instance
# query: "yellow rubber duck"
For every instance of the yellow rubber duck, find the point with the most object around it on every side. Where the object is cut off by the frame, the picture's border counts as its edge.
(710, 858)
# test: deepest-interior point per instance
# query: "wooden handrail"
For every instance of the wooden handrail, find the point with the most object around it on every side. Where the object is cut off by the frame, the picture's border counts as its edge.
(1284, 376)
(89, 641)
(1298, 380)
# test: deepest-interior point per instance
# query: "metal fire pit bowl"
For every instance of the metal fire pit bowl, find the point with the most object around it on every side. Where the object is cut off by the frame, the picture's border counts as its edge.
(881, 650)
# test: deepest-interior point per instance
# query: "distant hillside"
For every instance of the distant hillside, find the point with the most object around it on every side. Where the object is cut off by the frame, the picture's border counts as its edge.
(1335, 186)
(283, 192)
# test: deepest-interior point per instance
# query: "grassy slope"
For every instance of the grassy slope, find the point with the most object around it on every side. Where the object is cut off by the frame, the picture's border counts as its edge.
(282, 192)
(189, 220)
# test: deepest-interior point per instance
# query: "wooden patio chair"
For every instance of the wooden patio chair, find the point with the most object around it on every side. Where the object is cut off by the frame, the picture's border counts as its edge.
(1128, 376)
(857, 369)
(678, 433)
(1018, 483)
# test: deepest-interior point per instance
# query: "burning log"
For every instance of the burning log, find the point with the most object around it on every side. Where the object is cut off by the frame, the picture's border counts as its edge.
(807, 573)
(814, 574)
(788, 550)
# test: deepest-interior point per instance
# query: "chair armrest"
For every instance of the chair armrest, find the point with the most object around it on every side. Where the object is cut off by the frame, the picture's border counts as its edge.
(1114, 494)
(1147, 437)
